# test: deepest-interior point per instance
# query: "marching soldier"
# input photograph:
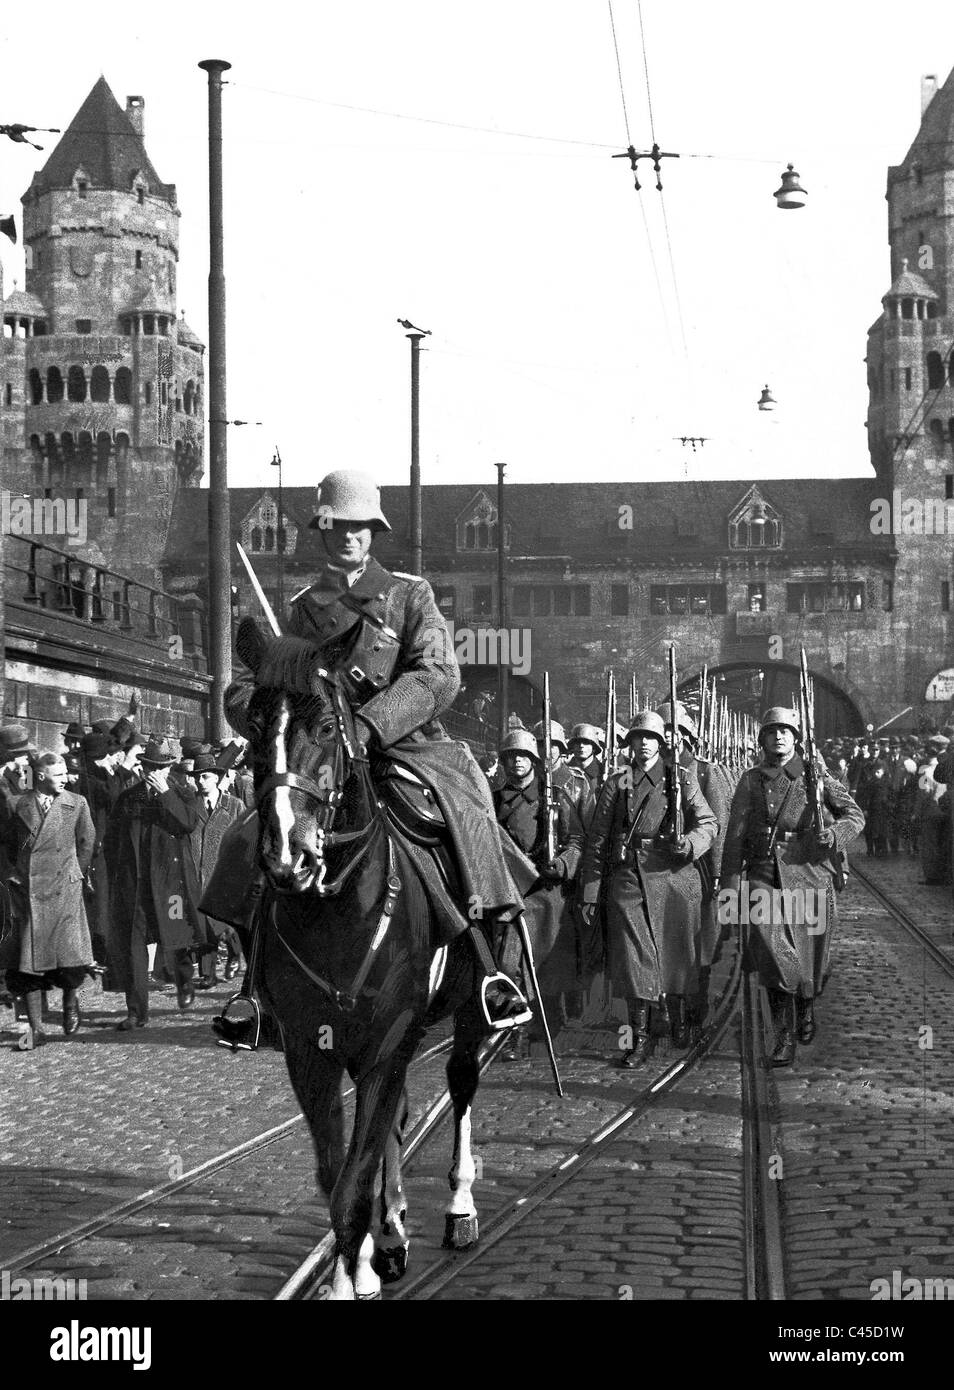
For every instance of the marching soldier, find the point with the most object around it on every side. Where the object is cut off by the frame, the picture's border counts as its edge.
(565, 777)
(771, 840)
(586, 747)
(646, 881)
(521, 812)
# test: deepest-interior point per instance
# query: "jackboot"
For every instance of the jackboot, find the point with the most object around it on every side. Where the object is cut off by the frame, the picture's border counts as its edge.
(783, 1018)
(678, 1020)
(805, 1014)
(640, 1020)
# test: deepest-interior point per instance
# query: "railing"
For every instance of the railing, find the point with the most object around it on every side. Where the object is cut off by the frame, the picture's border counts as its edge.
(49, 579)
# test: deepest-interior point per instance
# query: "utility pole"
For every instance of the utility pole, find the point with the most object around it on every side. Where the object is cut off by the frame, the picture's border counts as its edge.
(280, 541)
(503, 672)
(417, 544)
(220, 597)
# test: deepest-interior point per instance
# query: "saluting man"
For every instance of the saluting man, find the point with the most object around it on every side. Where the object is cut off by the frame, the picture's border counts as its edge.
(770, 838)
(387, 640)
(646, 883)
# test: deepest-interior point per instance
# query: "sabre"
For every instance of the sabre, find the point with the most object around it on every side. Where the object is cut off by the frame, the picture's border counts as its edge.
(259, 591)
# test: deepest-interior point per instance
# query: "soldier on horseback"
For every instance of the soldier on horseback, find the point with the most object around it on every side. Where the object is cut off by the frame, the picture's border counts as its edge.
(384, 640)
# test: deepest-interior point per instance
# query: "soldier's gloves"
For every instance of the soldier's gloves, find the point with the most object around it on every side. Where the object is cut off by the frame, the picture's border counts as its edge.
(286, 665)
(365, 736)
(825, 839)
(682, 849)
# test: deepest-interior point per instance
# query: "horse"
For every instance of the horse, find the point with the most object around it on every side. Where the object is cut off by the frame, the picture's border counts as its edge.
(348, 967)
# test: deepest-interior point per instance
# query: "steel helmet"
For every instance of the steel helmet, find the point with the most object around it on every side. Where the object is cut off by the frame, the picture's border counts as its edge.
(683, 718)
(520, 741)
(557, 733)
(779, 714)
(647, 722)
(347, 494)
(589, 732)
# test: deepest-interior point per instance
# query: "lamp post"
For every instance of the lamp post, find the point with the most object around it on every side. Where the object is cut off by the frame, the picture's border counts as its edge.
(280, 540)
(417, 544)
(220, 589)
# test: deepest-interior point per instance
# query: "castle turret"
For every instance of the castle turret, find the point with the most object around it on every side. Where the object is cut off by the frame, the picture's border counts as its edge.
(112, 392)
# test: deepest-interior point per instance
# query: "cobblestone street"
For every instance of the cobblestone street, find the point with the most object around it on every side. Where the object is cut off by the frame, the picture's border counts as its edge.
(862, 1128)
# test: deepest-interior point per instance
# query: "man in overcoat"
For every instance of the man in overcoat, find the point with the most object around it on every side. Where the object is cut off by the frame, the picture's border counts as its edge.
(49, 843)
(387, 640)
(217, 811)
(770, 838)
(146, 843)
(586, 748)
(644, 878)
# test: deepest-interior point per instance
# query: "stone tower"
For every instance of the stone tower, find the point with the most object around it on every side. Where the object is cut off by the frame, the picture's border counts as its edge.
(104, 382)
(911, 396)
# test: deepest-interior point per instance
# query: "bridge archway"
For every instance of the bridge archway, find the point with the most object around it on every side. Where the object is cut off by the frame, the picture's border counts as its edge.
(755, 687)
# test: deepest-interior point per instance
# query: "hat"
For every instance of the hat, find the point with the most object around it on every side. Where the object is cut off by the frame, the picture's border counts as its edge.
(14, 741)
(74, 730)
(520, 741)
(780, 714)
(588, 732)
(557, 733)
(348, 494)
(97, 746)
(647, 722)
(938, 741)
(103, 726)
(683, 718)
(157, 754)
(204, 762)
(190, 745)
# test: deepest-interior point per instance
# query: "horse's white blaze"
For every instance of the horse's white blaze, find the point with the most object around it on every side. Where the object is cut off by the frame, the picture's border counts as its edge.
(463, 1170)
(283, 817)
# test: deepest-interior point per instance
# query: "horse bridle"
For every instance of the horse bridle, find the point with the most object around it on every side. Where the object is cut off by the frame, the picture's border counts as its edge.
(328, 800)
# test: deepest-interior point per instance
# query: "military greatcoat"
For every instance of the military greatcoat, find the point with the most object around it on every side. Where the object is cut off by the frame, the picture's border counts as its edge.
(651, 902)
(791, 950)
(388, 641)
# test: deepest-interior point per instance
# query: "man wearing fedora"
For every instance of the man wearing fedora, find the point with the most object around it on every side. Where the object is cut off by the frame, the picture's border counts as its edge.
(49, 844)
(387, 640)
(644, 879)
(217, 811)
(771, 839)
(146, 845)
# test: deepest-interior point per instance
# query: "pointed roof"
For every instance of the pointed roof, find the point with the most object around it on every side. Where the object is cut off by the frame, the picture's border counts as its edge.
(910, 286)
(933, 146)
(22, 302)
(102, 141)
(186, 334)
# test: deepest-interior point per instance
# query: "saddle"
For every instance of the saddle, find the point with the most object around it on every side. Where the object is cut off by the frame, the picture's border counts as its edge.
(411, 804)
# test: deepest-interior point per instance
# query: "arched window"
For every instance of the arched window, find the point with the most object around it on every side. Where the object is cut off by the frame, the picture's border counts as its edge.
(50, 449)
(269, 538)
(256, 537)
(147, 390)
(163, 325)
(122, 446)
(470, 534)
(99, 384)
(103, 446)
(54, 385)
(935, 371)
(76, 384)
(149, 325)
(189, 393)
(907, 308)
(771, 533)
(122, 386)
(36, 386)
(68, 445)
(85, 451)
(481, 535)
(757, 532)
(36, 448)
(931, 309)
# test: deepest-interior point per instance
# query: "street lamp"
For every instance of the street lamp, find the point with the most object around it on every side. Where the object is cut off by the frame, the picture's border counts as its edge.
(280, 535)
(417, 544)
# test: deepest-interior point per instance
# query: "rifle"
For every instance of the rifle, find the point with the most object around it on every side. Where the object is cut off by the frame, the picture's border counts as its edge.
(548, 806)
(813, 785)
(675, 782)
(703, 682)
(608, 761)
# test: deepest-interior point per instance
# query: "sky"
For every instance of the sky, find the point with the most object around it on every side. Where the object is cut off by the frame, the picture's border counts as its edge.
(451, 165)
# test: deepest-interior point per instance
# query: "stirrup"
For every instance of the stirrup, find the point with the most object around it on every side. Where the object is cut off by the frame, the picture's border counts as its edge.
(499, 1025)
(237, 1030)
